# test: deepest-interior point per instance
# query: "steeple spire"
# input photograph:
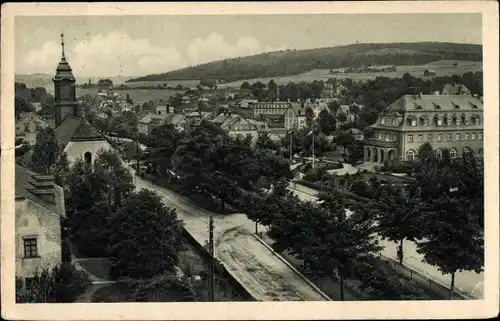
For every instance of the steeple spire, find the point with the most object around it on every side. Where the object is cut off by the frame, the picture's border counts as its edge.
(62, 44)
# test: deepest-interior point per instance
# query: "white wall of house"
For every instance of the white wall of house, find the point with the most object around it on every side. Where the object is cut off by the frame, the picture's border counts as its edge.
(34, 221)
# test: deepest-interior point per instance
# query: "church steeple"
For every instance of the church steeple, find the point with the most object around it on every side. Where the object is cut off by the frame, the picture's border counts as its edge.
(64, 89)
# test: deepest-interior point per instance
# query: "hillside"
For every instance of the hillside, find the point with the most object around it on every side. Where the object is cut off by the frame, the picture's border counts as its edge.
(293, 62)
(45, 80)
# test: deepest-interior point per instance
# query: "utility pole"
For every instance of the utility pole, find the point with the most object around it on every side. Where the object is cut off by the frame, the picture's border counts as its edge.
(291, 140)
(211, 269)
(313, 147)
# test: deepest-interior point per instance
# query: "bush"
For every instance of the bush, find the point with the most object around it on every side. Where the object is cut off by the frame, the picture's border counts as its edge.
(63, 284)
(363, 189)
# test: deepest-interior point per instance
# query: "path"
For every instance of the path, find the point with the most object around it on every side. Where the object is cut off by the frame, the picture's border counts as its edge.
(260, 271)
(469, 283)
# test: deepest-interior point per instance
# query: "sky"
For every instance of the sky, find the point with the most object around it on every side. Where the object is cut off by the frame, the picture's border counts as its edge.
(99, 46)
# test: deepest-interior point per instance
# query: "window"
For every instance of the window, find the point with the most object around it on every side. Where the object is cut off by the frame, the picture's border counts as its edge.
(429, 137)
(448, 137)
(453, 153)
(394, 137)
(467, 120)
(27, 127)
(382, 121)
(480, 136)
(473, 136)
(466, 151)
(480, 152)
(420, 138)
(439, 154)
(387, 121)
(413, 122)
(394, 122)
(448, 121)
(426, 122)
(410, 155)
(440, 138)
(386, 138)
(457, 120)
(410, 139)
(30, 248)
(379, 136)
(466, 137)
(457, 136)
(440, 122)
(88, 158)
(477, 121)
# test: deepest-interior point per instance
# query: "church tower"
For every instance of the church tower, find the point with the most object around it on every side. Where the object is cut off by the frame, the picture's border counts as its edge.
(64, 89)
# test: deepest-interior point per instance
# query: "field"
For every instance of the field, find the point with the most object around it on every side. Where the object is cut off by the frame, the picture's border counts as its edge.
(442, 68)
(139, 96)
(192, 83)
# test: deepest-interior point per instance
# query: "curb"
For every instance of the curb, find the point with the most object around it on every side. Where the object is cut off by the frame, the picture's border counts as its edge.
(293, 268)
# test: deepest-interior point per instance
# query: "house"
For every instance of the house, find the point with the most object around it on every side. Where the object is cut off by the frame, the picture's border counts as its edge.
(455, 89)
(295, 116)
(429, 73)
(149, 122)
(244, 103)
(357, 133)
(177, 120)
(161, 110)
(344, 110)
(39, 208)
(454, 122)
(28, 127)
(195, 117)
(237, 127)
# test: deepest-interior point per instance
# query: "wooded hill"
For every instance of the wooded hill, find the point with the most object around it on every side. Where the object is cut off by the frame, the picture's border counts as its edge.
(292, 62)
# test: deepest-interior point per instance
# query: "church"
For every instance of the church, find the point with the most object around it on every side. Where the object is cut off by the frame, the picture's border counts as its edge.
(76, 136)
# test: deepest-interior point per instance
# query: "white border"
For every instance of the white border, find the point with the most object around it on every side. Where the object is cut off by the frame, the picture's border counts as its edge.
(262, 310)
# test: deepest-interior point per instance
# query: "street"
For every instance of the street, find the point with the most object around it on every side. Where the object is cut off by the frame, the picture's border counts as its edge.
(467, 282)
(260, 271)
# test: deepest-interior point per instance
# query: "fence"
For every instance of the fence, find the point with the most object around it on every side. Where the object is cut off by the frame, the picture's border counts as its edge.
(436, 288)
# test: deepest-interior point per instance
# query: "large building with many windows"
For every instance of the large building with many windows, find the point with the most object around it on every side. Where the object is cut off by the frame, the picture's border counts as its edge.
(453, 122)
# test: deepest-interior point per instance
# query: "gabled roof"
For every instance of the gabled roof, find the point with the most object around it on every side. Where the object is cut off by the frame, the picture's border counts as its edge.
(175, 119)
(153, 117)
(345, 109)
(31, 114)
(24, 178)
(76, 129)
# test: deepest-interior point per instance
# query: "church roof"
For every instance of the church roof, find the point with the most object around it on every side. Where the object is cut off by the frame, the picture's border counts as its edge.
(64, 71)
(76, 129)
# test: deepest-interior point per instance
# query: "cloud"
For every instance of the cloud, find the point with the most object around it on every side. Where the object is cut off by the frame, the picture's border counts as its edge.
(214, 47)
(116, 53)
(107, 55)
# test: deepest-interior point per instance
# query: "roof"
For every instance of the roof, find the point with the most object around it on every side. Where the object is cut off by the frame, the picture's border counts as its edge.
(76, 129)
(344, 109)
(455, 89)
(24, 178)
(175, 118)
(33, 115)
(63, 71)
(152, 117)
(355, 131)
(433, 103)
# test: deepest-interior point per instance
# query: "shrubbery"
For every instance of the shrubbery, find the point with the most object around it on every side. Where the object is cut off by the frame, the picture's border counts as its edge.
(61, 285)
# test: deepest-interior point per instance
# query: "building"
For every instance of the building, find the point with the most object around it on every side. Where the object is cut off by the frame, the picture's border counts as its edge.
(28, 127)
(455, 89)
(177, 120)
(75, 135)
(454, 122)
(328, 91)
(149, 122)
(161, 110)
(39, 209)
(237, 127)
(356, 133)
(429, 73)
(295, 116)
(344, 110)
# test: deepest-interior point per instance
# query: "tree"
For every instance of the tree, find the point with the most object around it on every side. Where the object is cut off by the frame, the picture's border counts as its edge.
(245, 86)
(344, 139)
(146, 237)
(132, 151)
(272, 91)
(45, 152)
(129, 100)
(398, 215)
(61, 170)
(265, 142)
(63, 284)
(326, 122)
(22, 106)
(309, 116)
(453, 238)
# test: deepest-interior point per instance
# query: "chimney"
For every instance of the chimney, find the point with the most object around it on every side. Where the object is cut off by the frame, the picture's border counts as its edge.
(43, 187)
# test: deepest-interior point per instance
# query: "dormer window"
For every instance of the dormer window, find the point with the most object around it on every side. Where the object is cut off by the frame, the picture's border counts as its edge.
(394, 122)
(379, 136)
(457, 120)
(456, 106)
(418, 107)
(436, 106)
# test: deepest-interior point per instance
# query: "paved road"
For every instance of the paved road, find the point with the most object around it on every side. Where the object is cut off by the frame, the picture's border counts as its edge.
(469, 283)
(262, 273)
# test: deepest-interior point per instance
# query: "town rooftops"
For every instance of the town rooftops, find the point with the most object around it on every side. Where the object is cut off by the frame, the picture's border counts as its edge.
(40, 189)
(153, 118)
(408, 103)
(33, 115)
(455, 89)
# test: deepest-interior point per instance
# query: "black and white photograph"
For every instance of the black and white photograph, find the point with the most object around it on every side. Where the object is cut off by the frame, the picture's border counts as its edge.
(220, 157)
